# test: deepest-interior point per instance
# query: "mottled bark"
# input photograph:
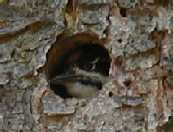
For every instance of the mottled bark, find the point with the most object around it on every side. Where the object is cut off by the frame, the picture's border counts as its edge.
(138, 35)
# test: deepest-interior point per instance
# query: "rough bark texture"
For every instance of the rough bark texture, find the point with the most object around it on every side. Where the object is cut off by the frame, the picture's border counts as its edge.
(138, 36)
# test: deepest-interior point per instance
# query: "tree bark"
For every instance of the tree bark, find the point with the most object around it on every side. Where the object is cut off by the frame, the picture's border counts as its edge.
(138, 36)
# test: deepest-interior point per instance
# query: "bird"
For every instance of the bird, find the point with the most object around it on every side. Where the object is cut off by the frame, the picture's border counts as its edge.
(80, 71)
(76, 86)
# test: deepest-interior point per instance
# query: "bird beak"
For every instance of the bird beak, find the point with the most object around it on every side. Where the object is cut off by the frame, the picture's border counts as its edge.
(60, 78)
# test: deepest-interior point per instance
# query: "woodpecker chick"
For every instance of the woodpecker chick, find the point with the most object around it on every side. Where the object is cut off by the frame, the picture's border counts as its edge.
(81, 71)
(82, 84)
(76, 87)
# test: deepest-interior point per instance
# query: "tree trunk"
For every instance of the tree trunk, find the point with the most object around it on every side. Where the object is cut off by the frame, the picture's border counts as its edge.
(137, 95)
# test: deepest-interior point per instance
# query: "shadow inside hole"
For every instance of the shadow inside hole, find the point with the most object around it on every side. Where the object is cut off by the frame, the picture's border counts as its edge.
(123, 12)
(110, 94)
(88, 56)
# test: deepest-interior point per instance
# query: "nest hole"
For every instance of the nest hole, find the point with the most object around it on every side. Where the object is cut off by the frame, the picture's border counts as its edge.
(82, 51)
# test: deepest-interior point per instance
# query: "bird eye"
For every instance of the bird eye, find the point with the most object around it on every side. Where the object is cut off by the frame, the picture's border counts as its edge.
(88, 66)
